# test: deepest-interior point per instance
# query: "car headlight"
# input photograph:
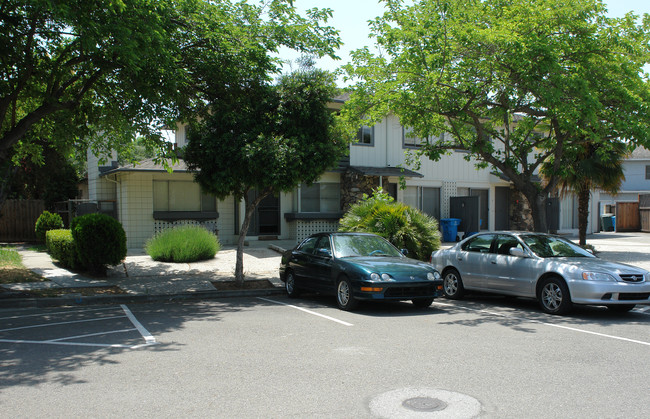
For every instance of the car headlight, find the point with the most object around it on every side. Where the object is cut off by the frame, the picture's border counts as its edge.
(597, 276)
(383, 277)
(432, 276)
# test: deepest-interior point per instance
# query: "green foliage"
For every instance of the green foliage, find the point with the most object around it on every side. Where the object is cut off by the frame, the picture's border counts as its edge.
(514, 83)
(61, 246)
(100, 241)
(183, 244)
(47, 221)
(53, 178)
(279, 136)
(405, 227)
(97, 73)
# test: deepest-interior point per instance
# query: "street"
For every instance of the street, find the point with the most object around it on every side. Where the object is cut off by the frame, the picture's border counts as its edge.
(277, 357)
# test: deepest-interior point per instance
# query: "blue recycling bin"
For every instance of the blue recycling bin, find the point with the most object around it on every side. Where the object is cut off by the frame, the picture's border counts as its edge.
(449, 229)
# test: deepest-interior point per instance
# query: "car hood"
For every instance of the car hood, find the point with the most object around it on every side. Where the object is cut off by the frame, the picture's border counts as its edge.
(394, 266)
(598, 265)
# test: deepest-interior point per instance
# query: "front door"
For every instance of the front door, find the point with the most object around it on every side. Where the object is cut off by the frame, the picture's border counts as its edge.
(266, 220)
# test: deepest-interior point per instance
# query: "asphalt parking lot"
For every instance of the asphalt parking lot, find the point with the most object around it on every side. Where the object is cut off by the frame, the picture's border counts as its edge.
(278, 357)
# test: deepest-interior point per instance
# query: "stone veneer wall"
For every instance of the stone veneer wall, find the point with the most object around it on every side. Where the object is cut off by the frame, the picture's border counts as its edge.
(520, 213)
(355, 185)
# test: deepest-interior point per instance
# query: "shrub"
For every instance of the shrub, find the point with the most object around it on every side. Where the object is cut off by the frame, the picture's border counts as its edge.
(403, 226)
(47, 221)
(61, 246)
(100, 241)
(183, 244)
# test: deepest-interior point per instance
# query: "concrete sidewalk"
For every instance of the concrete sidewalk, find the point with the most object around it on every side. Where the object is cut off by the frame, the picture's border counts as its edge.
(142, 277)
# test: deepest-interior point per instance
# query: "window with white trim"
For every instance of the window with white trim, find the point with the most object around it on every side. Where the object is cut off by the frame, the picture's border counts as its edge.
(426, 199)
(171, 195)
(320, 197)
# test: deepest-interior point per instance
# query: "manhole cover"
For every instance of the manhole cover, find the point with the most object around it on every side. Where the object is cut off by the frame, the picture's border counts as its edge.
(424, 404)
(421, 402)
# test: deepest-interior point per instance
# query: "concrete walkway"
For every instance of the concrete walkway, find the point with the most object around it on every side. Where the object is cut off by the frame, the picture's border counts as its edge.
(140, 275)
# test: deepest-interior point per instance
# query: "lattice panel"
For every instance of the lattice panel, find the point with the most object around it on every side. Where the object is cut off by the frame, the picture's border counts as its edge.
(448, 191)
(307, 228)
(210, 225)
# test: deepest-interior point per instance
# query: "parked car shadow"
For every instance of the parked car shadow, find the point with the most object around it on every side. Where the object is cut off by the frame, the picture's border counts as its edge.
(514, 312)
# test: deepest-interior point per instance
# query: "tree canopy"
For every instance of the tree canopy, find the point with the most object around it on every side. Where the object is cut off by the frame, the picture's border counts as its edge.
(82, 73)
(265, 137)
(513, 82)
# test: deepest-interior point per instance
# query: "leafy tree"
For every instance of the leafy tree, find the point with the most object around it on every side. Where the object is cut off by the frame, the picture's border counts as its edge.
(96, 73)
(516, 83)
(265, 137)
(585, 168)
(405, 227)
(52, 178)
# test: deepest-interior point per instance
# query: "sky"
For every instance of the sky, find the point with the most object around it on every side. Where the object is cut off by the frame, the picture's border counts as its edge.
(351, 19)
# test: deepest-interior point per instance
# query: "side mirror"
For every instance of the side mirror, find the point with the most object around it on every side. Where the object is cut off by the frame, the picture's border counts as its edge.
(324, 253)
(405, 252)
(515, 251)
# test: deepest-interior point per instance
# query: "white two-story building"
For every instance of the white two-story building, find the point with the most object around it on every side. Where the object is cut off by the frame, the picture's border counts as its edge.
(147, 198)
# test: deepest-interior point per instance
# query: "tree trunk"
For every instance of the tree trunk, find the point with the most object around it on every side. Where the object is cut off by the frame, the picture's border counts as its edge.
(250, 210)
(583, 214)
(537, 204)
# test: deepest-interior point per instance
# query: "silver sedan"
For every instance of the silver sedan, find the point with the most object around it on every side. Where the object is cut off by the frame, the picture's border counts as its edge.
(553, 270)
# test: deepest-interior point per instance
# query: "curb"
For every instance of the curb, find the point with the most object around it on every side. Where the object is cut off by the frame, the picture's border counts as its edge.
(123, 299)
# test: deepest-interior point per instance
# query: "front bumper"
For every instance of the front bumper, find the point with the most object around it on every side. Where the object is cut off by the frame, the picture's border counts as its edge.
(609, 293)
(398, 290)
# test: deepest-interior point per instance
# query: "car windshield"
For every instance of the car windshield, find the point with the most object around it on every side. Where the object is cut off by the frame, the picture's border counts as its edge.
(362, 245)
(553, 247)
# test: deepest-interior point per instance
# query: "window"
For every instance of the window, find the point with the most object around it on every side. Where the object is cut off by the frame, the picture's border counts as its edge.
(320, 197)
(647, 172)
(409, 139)
(505, 243)
(181, 196)
(366, 136)
(423, 198)
(479, 244)
(308, 245)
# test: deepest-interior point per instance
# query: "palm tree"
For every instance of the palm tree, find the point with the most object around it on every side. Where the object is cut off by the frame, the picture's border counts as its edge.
(587, 167)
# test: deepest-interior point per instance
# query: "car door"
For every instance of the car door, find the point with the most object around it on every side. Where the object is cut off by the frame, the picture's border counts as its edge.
(301, 263)
(509, 274)
(321, 264)
(473, 260)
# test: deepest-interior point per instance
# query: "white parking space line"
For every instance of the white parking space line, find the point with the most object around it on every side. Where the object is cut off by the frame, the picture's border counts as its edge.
(308, 311)
(46, 342)
(573, 329)
(91, 334)
(61, 323)
(148, 338)
(52, 313)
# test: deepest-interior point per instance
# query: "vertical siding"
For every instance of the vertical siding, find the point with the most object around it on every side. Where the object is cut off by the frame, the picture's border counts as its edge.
(18, 219)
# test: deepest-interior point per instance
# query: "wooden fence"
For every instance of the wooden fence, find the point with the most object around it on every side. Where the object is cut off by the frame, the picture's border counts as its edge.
(18, 218)
(627, 216)
(644, 212)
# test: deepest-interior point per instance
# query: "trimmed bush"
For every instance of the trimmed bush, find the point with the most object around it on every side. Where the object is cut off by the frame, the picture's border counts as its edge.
(405, 227)
(47, 221)
(183, 244)
(61, 246)
(100, 241)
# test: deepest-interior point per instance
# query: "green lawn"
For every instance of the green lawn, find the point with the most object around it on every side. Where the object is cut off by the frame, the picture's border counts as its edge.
(12, 268)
